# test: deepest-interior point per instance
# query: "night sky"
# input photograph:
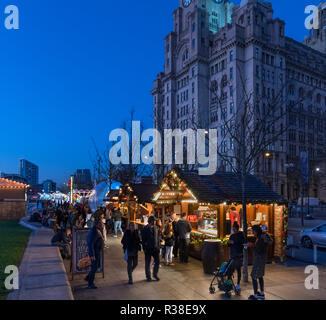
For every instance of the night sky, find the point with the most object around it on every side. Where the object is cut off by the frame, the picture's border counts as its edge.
(75, 69)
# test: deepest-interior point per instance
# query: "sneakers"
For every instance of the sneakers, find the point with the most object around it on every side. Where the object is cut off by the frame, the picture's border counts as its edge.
(260, 296)
(92, 286)
(130, 282)
(156, 278)
(237, 287)
(253, 297)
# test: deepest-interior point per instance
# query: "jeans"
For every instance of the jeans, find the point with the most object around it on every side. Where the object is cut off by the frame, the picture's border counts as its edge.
(155, 253)
(184, 248)
(168, 254)
(117, 225)
(132, 265)
(255, 284)
(94, 267)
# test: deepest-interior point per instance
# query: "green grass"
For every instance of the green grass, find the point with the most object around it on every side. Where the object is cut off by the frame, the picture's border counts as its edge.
(13, 241)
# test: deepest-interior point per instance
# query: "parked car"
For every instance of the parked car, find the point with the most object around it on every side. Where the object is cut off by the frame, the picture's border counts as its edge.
(314, 236)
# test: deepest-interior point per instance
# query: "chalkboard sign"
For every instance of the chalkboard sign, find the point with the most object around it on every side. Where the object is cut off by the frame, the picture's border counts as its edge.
(80, 251)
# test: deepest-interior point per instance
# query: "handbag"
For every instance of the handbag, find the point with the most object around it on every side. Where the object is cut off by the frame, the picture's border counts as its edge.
(126, 256)
(84, 263)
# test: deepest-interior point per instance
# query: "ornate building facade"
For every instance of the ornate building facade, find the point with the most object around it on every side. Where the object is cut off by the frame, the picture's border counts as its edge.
(244, 48)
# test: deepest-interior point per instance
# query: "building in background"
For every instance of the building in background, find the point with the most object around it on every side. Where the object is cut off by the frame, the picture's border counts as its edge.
(215, 42)
(83, 179)
(49, 186)
(13, 177)
(29, 171)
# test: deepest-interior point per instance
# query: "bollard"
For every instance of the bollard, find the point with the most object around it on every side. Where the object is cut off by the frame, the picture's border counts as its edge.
(315, 254)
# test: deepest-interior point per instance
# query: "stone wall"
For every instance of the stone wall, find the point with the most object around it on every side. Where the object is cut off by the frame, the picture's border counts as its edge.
(12, 210)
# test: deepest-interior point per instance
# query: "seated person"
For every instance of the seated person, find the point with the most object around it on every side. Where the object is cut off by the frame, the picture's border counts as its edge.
(62, 239)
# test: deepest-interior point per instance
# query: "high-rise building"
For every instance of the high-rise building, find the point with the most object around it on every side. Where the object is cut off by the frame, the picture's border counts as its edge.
(83, 179)
(217, 42)
(29, 171)
(49, 186)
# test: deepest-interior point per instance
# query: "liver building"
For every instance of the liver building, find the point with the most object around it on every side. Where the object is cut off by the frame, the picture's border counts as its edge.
(245, 47)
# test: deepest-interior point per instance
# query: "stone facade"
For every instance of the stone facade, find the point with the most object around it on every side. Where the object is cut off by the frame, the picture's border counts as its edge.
(249, 44)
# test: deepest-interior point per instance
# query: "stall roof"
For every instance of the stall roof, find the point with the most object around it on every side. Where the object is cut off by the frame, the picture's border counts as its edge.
(224, 186)
(144, 192)
(9, 184)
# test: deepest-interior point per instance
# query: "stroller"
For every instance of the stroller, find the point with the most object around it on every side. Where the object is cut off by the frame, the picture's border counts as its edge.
(222, 282)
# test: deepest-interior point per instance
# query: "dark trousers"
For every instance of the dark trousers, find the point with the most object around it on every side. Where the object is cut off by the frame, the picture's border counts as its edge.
(132, 265)
(184, 250)
(255, 284)
(155, 253)
(176, 248)
(94, 267)
(237, 265)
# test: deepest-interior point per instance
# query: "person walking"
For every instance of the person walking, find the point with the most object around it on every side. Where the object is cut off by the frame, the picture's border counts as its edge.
(151, 245)
(184, 228)
(95, 243)
(260, 247)
(131, 244)
(176, 237)
(169, 239)
(117, 222)
(236, 244)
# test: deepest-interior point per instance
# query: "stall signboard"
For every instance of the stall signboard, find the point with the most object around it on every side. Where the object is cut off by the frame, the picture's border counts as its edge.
(80, 251)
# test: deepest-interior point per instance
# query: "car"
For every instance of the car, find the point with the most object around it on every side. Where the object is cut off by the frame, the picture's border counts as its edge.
(314, 236)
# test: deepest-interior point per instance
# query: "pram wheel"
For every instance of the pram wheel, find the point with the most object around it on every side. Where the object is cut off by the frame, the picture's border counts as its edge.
(228, 295)
(212, 290)
(238, 292)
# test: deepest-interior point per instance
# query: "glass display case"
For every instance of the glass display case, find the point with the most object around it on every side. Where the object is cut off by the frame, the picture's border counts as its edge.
(208, 222)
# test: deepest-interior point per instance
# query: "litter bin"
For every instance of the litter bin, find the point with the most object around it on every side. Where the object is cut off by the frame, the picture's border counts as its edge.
(212, 255)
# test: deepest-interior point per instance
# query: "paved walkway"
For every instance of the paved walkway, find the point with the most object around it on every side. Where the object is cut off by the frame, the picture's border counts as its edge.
(42, 274)
(188, 282)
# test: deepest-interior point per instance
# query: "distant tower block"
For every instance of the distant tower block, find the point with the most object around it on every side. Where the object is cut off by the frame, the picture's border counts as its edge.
(317, 37)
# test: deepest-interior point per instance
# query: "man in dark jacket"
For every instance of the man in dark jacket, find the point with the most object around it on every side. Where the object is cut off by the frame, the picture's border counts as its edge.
(184, 228)
(62, 239)
(151, 245)
(95, 244)
(176, 237)
(236, 244)
(131, 243)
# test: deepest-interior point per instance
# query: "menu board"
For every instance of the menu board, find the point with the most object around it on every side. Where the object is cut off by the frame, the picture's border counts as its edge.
(80, 251)
(207, 222)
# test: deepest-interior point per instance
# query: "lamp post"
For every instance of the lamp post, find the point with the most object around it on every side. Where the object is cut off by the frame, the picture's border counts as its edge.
(71, 189)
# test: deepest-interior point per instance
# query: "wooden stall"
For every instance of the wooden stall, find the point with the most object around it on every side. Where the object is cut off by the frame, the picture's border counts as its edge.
(213, 204)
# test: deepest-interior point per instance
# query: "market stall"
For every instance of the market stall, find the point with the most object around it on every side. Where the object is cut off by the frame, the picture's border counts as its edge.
(213, 204)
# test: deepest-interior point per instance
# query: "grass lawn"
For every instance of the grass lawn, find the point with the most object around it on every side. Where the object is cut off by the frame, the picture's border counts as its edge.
(13, 241)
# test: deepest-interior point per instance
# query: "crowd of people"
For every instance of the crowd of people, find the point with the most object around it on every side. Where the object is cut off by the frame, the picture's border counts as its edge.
(166, 245)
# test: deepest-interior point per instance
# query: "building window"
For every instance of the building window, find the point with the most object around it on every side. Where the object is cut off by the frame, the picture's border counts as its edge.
(194, 27)
(194, 43)
(231, 73)
(231, 56)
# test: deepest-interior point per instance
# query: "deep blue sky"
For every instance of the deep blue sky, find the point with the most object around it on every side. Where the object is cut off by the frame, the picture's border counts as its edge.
(74, 70)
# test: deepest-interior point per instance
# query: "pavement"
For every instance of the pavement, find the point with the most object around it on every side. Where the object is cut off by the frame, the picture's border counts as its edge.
(42, 275)
(188, 282)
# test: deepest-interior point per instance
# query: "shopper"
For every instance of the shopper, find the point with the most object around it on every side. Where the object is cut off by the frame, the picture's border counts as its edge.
(236, 244)
(151, 245)
(63, 240)
(184, 229)
(169, 239)
(176, 237)
(263, 240)
(95, 243)
(117, 222)
(131, 244)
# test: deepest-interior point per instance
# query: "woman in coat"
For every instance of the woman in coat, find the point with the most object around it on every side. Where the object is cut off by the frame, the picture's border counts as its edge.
(169, 240)
(263, 240)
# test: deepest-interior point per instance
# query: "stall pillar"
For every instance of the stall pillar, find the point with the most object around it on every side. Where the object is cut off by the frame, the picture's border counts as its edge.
(163, 217)
(222, 222)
